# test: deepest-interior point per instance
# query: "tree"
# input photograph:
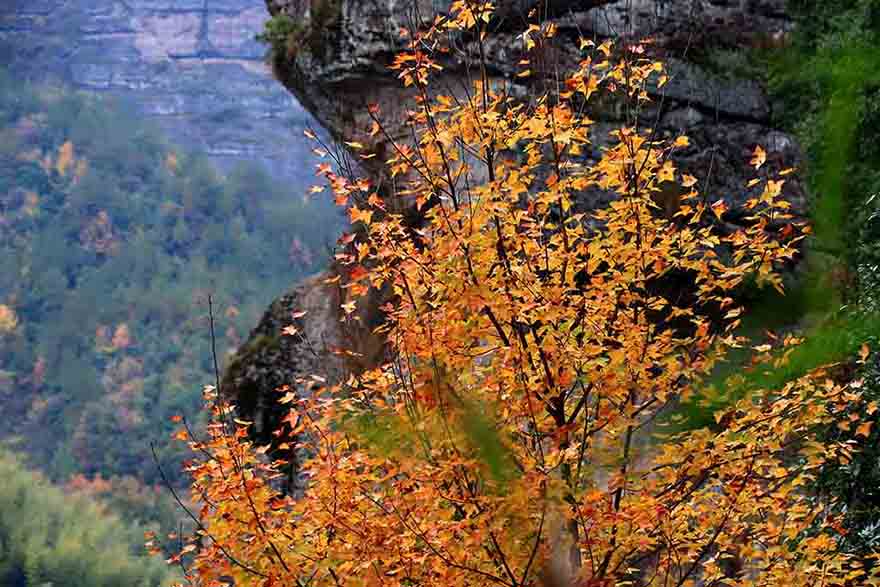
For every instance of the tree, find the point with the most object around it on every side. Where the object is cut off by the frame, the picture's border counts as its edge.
(51, 537)
(509, 439)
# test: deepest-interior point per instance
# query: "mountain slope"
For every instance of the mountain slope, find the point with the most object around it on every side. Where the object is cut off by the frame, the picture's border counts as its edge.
(110, 243)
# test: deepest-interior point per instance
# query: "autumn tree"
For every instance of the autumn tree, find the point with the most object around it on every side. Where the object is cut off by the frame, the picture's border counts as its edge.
(510, 437)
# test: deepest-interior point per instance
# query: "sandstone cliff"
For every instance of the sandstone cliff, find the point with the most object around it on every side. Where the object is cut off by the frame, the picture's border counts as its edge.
(192, 66)
(335, 62)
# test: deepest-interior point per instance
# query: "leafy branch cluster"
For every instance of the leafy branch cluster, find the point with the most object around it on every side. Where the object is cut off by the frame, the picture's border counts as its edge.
(531, 349)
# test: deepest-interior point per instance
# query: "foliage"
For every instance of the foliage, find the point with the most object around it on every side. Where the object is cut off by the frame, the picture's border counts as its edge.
(128, 497)
(826, 85)
(532, 347)
(286, 36)
(278, 32)
(836, 340)
(110, 241)
(49, 538)
(856, 481)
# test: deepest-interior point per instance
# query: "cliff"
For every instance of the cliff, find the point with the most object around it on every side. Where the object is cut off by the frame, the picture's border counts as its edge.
(334, 58)
(193, 66)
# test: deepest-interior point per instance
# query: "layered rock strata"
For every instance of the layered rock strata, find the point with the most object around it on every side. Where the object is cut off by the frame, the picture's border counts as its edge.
(193, 66)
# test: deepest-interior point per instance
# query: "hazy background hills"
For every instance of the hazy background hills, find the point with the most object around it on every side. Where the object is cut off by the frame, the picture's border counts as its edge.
(147, 160)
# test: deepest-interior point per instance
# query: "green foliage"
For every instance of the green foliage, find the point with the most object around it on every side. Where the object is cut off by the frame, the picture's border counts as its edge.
(857, 481)
(49, 538)
(824, 88)
(286, 36)
(827, 90)
(278, 32)
(110, 242)
(836, 339)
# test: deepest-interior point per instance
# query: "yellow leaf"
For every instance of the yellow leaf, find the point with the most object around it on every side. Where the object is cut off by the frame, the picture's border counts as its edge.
(65, 158)
(8, 319)
(360, 215)
(667, 172)
(759, 157)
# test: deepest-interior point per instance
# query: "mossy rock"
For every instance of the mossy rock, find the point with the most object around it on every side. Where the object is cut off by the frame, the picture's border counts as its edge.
(287, 36)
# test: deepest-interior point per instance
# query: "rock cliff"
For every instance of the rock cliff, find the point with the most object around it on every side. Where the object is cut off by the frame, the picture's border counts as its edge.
(191, 65)
(334, 61)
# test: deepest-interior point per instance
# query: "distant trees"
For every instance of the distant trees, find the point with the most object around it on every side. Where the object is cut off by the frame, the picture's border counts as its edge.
(49, 537)
(103, 224)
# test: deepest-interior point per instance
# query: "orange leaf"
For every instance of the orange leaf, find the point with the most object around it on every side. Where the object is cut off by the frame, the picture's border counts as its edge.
(759, 157)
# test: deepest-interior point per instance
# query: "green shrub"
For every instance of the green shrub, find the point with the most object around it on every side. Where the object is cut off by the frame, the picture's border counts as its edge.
(47, 537)
(278, 33)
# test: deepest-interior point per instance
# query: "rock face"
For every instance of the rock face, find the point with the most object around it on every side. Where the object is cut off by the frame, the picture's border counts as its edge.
(191, 65)
(271, 359)
(337, 61)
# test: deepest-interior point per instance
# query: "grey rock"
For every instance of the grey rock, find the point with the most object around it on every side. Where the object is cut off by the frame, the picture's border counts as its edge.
(271, 359)
(780, 142)
(682, 119)
(726, 20)
(192, 65)
(689, 84)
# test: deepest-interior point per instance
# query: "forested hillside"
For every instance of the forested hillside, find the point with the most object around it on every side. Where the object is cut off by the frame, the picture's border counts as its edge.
(110, 243)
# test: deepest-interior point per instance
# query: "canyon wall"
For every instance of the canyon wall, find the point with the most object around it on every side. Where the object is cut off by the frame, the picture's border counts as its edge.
(193, 66)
